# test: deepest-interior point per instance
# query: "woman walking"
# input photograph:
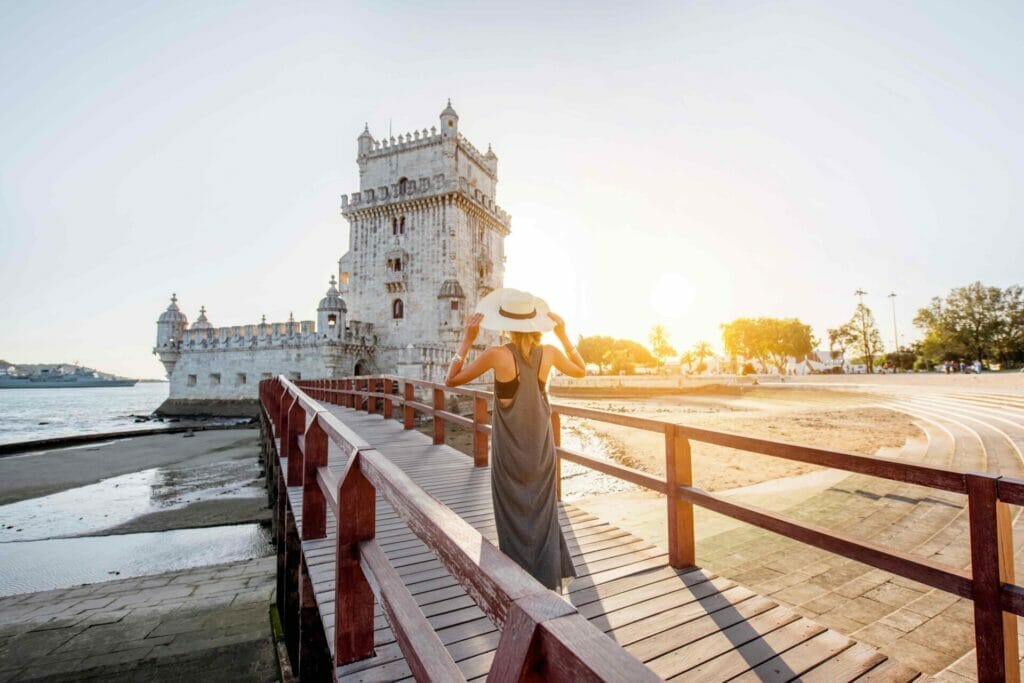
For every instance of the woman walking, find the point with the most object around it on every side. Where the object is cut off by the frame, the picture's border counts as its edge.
(522, 446)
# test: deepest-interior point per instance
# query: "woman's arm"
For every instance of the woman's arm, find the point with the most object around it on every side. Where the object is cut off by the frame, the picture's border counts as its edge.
(458, 372)
(571, 362)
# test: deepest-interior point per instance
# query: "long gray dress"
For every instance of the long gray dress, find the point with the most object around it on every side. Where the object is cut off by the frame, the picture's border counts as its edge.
(523, 479)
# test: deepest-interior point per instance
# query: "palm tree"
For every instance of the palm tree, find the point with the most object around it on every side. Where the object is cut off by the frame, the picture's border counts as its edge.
(687, 360)
(702, 350)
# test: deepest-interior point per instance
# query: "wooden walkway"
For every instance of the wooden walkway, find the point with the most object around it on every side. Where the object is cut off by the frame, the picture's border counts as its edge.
(684, 624)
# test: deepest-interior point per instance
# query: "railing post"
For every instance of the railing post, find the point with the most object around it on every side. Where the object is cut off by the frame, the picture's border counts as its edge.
(408, 412)
(679, 472)
(296, 426)
(556, 437)
(995, 631)
(438, 419)
(480, 417)
(389, 386)
(371, 401)
(283, 406)
(314, 506)
(353, 596)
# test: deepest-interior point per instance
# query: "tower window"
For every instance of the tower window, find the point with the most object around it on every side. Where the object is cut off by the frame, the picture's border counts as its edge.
(240, 379)
(402, 185)
(344, 278)
(455, 304)
(451, 124)
(394, 226)
(401, 225)
(191, 380)
(214, 378)
(397, 309)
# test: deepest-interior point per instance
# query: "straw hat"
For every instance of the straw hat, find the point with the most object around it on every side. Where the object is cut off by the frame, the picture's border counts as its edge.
(513, 310)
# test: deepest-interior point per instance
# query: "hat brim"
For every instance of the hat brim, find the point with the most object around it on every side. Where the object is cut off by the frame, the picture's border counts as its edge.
(490, 307)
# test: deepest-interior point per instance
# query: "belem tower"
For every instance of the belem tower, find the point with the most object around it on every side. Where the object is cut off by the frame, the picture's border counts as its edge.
(426, 242)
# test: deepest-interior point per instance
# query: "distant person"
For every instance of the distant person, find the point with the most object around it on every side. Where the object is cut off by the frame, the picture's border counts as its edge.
(522, 444)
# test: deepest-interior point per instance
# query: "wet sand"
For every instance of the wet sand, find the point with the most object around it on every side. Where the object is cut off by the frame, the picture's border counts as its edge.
(207, 479)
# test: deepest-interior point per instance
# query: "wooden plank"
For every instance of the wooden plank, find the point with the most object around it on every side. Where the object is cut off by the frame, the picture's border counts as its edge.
(755, 652)
(795, 661)
(848, 665)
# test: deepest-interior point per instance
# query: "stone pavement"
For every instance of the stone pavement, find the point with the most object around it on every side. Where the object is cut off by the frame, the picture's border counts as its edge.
(207, 623)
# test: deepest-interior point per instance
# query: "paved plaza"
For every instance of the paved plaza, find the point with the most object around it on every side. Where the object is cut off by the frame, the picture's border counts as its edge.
(208, 623)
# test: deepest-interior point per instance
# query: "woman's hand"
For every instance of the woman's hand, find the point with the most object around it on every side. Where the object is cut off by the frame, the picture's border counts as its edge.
(559, 324)
(472, 329)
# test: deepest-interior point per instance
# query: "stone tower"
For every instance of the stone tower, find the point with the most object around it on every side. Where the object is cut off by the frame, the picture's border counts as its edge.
(170, 329)
(426, 242)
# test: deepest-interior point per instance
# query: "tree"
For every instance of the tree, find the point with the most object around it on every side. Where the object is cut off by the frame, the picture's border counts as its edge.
(595, 349)
(837, 339)
(687, 359)
(971, 322)
(771, 341)
(660, 346)
(861, 333)
(702, 350)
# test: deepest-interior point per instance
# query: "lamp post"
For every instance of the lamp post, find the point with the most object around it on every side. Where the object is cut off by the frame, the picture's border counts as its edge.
(895, 334)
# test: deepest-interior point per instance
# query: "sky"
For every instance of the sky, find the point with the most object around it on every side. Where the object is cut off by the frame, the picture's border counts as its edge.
(678, 163)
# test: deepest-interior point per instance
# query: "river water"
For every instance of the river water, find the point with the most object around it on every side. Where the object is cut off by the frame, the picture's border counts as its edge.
(28, 414)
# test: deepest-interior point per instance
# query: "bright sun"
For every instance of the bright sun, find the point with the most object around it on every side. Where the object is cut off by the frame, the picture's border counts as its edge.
(671, 297)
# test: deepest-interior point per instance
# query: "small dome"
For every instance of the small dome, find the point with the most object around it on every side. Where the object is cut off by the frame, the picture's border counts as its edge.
(201, 322)
(366, 132)
(448, 111)
(332, 301)
(490, 152)
(451, 289)
(173, 314)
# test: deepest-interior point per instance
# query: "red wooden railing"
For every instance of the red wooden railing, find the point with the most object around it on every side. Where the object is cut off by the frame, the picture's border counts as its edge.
(541, 635)
(989, 582)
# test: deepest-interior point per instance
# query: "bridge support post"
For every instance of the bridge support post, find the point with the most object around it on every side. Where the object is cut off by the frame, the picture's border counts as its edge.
(995, 631)
(438, 419)
(290, 615)
(314, 506)
(296, 426)
(679, 471)
(353, 595)
(314, 663)
(371, 401)
(408, 413)
(480, 417)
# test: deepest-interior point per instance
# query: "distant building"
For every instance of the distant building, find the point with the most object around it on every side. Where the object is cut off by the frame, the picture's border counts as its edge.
(426, 242)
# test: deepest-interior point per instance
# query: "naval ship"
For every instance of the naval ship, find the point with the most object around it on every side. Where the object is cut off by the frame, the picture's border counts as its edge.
(60, 378)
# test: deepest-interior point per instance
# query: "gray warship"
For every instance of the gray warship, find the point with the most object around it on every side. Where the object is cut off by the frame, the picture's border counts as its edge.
(61, 378)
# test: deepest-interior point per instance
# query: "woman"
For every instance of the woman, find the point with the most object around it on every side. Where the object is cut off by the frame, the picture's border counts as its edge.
(522, 446)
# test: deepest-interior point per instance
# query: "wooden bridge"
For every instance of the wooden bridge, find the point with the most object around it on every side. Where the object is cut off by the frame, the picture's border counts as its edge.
(409, 583)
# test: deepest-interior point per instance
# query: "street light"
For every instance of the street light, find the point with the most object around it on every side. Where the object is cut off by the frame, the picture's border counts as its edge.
(895, 334)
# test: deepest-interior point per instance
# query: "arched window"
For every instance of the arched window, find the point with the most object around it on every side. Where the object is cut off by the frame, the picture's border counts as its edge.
(401, 225)
(403, 183)
(397, 309)
(394, 226)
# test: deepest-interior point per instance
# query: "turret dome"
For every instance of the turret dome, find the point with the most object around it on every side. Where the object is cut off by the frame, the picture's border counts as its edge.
(173, 314)
(449, 111)
(451, 289)
(201, 322)
(332, 301)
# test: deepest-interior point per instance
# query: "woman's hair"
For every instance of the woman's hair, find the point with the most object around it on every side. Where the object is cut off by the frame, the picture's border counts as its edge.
(526, 342)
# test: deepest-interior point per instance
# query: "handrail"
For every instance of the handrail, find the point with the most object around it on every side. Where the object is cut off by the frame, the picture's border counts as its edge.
(540, 632)
(990, 583)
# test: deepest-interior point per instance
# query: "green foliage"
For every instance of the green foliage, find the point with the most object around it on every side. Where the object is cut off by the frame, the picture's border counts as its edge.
(974, 322)
(615, 355)
(860, 334)
(769, 340)
(660, 346)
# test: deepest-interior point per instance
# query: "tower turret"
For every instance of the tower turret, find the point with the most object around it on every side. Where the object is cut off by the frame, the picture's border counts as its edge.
(366, 141)
(170, 329)
(449, 122)
(330, 314)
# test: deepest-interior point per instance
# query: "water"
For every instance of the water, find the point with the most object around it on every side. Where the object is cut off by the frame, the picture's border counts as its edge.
(60, 563)
(28, 414)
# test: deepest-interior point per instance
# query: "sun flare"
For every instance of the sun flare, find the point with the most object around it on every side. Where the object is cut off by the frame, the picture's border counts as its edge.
(671, 297)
